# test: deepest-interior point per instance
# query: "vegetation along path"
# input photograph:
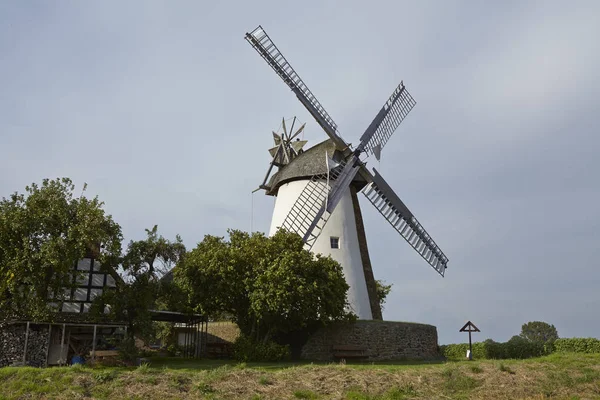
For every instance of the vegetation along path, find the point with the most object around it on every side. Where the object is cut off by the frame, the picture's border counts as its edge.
(561, 376)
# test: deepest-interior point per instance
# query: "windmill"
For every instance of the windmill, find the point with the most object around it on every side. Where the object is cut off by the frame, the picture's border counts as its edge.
(316, 191)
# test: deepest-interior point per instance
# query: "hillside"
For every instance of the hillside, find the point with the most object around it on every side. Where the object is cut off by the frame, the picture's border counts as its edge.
(568, 376)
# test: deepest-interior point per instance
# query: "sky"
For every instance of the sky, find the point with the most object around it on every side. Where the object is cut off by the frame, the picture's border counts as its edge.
(166, 112)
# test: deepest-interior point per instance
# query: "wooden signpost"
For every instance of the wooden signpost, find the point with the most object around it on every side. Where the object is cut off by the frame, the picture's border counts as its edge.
(469, 327)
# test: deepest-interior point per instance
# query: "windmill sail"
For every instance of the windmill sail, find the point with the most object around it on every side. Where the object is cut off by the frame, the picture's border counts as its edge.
(263, 44)
(393, 112)
(316, 203)
(381, 195)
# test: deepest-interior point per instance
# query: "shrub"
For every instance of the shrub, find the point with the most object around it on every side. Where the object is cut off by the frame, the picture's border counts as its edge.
(128, 351)
(519, 348)
(577, 345)
(246, 349)
(459, 351)
(516, 348)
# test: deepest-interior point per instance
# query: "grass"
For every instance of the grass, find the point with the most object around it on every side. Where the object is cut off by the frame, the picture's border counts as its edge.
(476, 369)
(506, 369)
(265, 380)
(562, 376)
(305, 394)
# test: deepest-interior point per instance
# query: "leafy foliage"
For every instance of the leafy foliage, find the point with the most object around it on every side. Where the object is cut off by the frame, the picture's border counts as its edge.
(269, 285)
(489, 349)
(577, 345)
(140, 288)
(247, 349)
(128, 351)
(43, 233)
(382, 292)
(520, 348)
(537, 331)
(459, 351)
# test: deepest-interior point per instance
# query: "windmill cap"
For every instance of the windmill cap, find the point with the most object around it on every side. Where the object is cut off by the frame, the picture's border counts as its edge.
(304, 166)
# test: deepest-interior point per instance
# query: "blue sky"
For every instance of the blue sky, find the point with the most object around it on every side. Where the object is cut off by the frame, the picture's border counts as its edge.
(166, 112)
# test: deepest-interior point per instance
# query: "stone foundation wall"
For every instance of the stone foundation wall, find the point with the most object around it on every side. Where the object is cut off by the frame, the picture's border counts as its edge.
(12, 344)
(382, 340)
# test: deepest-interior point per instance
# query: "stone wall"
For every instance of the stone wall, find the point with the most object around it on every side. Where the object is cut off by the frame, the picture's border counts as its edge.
(382, 340)
(12, 344)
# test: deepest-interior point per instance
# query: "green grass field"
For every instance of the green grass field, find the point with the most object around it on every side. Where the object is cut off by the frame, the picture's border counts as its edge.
(561, 376)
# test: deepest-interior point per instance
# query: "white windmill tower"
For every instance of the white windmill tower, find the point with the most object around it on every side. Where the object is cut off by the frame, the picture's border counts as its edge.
(317, 189)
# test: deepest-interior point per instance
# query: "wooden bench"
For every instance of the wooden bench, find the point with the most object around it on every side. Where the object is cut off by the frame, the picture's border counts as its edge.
(101, 354)
(349, 351)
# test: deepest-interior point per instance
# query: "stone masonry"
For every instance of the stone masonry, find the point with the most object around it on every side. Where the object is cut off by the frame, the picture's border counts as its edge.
(382, 340)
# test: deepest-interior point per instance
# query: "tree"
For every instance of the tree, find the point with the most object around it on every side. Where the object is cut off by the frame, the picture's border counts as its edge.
(139, 287)
(43, 233)
(269, 285)
(537, 331)
(382, 292)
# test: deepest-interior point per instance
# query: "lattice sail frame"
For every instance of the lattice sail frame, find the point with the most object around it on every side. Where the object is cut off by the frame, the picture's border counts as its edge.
(393, 112)
(315, 204)
(263, 44)
(383, 198)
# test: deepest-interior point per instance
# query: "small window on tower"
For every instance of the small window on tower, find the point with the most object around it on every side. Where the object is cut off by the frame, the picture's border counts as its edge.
(335, 242)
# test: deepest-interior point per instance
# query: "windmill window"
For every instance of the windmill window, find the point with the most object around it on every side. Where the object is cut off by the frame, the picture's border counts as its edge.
(335, 242)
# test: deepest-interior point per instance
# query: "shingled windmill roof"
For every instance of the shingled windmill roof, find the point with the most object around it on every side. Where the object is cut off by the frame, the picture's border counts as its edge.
(305, 165)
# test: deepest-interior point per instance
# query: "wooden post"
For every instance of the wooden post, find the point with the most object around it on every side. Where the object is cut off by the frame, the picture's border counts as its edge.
(26, 340)
(470, 327)
(62, 347)
(186, 339)
(49, 339)
(94, 344)
(470, 348)
(198, 344)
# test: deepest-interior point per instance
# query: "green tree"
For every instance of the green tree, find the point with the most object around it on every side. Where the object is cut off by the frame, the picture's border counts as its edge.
(382, 292)
(537, 331)
(139, 287)
(269, 285)
(43, 233)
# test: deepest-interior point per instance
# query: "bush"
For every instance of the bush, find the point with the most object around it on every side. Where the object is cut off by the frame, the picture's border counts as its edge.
(519, 348)
(246, 349)
(128, 351)
(577, 345)
(459, 351)
(516, 348)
